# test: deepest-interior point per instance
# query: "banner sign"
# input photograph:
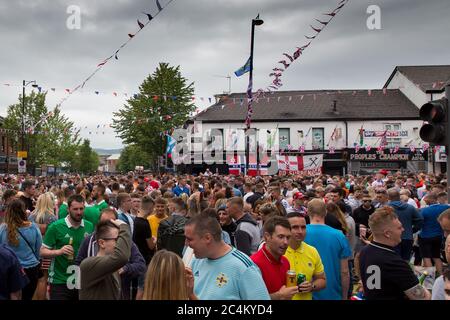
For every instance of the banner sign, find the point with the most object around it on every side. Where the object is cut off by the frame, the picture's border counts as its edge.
(306, 165)
(389, 134)
(385, 155)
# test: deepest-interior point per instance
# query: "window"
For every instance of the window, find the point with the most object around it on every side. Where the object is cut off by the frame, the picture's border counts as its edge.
(317, 139)
(391, 141)
(214, 140)
(284, 138)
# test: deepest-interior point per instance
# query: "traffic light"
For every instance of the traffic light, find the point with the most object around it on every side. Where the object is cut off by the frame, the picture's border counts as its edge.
(435, 113)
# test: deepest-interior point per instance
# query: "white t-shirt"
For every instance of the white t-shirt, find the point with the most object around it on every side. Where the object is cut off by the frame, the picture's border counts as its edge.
(247, 195)
(413, 203)
(438, 289)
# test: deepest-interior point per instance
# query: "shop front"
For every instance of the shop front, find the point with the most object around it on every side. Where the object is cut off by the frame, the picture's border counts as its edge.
(370, 161)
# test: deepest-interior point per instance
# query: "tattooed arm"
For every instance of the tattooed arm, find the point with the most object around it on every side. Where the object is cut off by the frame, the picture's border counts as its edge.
(418, 292)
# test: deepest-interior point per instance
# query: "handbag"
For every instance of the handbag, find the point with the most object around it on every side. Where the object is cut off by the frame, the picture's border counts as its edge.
(40, 272)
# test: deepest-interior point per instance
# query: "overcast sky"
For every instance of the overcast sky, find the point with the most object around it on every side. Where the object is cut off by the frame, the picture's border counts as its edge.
(208, 39)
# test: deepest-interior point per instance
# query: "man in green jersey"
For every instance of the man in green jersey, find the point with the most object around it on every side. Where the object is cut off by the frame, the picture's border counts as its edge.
(99, 196)
(64, 208)
(61, 242)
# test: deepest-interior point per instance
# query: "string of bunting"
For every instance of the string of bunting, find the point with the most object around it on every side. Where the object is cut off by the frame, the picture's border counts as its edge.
(115, 55)
(278, 72)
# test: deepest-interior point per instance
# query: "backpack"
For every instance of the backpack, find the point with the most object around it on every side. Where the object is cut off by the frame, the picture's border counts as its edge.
(171, 234)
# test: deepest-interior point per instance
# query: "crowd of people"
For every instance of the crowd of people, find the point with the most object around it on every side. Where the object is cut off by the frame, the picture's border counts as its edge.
(211, 236)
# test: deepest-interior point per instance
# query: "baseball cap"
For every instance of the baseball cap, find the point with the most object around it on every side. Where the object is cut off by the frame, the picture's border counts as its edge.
(298, 195)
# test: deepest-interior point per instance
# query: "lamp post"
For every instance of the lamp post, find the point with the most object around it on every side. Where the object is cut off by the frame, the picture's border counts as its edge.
(24, 84)
(255, 22)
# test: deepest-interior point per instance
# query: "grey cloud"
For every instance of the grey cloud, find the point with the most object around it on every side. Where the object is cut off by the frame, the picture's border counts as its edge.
(208, 38)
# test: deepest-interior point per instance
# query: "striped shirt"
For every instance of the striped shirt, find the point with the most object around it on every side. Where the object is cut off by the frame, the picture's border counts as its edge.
(231, 277)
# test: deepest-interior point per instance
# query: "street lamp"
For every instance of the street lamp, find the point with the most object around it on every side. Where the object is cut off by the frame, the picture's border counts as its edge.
(255, 22)
(24, 84)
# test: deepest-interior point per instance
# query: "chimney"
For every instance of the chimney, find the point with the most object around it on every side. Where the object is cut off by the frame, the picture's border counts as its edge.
(335, 111)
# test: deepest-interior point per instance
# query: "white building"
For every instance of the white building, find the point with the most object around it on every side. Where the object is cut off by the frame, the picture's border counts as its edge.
(328, 122)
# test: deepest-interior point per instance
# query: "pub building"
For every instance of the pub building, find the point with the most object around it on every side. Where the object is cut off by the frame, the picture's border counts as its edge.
(346, 126)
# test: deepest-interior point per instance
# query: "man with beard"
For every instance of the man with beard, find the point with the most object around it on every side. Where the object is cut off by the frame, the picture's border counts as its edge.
(271, 260)
(61, 242)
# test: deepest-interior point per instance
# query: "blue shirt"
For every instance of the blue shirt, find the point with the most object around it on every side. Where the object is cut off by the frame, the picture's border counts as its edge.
(179, 190)
(237, 192)
(431, 227)
(332, 246)
(28, 257)
(231, 277)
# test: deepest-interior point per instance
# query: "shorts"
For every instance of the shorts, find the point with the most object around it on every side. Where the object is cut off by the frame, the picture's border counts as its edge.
(430, 247)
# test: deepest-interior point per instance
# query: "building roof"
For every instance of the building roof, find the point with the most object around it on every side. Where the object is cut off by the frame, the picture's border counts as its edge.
(429, 78)
(290, 106)
(114, 157)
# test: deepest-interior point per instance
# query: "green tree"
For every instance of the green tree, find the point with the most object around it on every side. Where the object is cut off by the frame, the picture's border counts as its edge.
(132, 156)
(164, 103)
(85, 160)
(49, 137)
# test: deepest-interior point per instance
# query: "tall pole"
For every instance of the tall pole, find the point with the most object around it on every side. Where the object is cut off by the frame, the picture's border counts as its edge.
(255, 22)
(447, 147)
(23, 116)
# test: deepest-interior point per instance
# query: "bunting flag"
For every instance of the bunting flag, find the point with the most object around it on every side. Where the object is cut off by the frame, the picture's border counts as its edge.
(131, 35)
(298, 52)
(149, 16)
(322, 22)
(158, 5)
(368, 148)
(140, 24)
(288, 56)
(316, 29)
(284, 63)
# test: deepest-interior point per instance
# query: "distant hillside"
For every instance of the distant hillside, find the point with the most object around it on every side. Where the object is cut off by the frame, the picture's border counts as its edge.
(107, 151)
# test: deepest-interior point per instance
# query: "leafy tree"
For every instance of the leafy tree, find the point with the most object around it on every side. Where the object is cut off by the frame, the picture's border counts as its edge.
(85, 160)
(50, 138)
(164, 103)
(132, 156)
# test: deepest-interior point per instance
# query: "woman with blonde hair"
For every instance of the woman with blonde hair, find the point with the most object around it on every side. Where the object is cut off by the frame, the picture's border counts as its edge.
(168, 279)
(43, 216)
